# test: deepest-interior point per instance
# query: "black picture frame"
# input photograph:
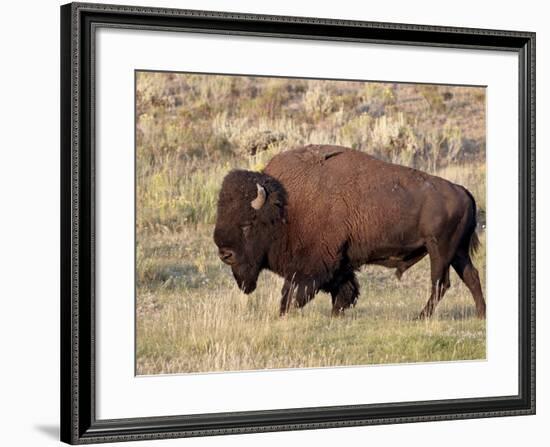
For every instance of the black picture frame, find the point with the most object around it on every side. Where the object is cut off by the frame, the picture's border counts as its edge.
(78, 421)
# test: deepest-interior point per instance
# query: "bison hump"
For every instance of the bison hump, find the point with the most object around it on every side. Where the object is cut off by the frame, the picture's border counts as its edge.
(320, 153)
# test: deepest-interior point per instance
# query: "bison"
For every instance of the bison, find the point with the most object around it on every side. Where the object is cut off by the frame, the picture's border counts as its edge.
(317, 213)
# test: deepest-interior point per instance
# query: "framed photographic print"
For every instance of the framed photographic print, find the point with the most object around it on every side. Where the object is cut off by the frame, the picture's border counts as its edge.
(285, 223)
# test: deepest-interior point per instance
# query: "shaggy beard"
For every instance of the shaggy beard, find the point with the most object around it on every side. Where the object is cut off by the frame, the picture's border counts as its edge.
(246, 278)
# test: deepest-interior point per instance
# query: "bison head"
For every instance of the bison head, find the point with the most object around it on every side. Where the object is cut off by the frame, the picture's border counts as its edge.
(251, 212)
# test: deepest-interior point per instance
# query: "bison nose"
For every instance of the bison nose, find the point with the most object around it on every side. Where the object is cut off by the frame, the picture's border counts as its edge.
(226, 255)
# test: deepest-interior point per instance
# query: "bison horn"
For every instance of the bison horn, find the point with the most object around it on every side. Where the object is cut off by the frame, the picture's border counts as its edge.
(259, 201)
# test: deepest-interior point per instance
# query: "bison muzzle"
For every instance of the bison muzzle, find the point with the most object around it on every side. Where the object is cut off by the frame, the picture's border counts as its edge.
(316, 214)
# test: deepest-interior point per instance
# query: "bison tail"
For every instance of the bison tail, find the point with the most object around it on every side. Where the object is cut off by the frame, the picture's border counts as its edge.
(474, 243)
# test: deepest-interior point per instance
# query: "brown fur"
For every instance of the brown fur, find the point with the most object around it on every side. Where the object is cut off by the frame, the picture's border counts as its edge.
(330, 210)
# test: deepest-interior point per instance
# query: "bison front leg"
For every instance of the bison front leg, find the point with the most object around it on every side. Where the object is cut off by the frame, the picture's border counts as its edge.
(286, 297)
(295, 295)
(344, 294)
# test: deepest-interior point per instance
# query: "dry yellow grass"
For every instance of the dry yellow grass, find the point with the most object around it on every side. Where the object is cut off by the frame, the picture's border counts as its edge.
(193, 318)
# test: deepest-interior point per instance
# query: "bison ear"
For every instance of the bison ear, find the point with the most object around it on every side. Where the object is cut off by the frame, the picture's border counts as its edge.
(259, 201)
(279, 205)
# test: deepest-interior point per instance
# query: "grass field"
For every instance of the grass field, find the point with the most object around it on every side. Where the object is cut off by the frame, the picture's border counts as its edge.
(191, 130)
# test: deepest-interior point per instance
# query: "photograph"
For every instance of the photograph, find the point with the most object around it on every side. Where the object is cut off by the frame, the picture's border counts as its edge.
(306, 223)
(275, 221)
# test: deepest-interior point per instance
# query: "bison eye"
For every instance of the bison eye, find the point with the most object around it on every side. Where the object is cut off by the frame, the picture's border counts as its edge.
(246, 228)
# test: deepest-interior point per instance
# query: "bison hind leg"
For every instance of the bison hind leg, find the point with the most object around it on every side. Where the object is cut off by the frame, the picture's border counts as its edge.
(441, 285)
(465, 269)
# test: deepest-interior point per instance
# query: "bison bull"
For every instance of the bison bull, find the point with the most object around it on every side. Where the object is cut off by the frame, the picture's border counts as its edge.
(316, 214)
